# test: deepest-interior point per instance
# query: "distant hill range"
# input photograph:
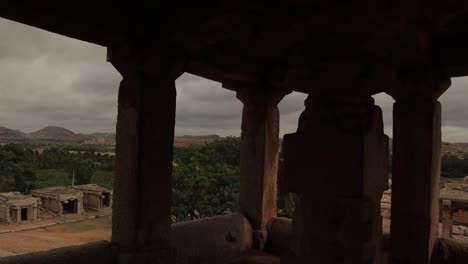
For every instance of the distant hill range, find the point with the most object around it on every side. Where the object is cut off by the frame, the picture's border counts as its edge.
(450, 149)
(54, 133)
(62, 134)
(184, 141)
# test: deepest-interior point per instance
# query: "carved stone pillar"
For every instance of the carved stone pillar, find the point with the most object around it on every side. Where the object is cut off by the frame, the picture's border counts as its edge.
(143, 163)
(335, 163)
(259, 158)
(415, 179)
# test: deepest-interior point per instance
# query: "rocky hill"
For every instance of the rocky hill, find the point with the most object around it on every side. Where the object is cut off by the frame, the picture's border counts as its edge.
(449, 149)
(52, 133)
(455, 149)
(184, 141)
(56, 133)
(62, 134)
(10, 135)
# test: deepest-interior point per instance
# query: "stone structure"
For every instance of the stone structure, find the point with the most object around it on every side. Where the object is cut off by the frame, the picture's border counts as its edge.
(60, 199)
(95, 197)
(386, 203)
(338, 52)
(16, 208)
(454, 201)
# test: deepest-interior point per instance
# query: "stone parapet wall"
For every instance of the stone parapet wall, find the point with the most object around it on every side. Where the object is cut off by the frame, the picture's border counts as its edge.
(212, 238)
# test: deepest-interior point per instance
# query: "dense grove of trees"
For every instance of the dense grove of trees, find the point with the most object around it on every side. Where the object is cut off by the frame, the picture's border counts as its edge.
(206, 179)
(20, 162)
(454, 166)
(17, 164)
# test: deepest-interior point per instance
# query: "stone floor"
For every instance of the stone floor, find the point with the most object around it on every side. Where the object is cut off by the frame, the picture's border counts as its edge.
(255, 257)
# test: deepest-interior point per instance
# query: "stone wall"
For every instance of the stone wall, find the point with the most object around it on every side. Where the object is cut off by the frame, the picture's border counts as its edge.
(4, 214)
(92, 201)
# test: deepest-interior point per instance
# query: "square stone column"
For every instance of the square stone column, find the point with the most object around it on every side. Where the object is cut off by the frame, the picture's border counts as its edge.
(415, 180)
(259, 158)
(336, 164)
(143, 162)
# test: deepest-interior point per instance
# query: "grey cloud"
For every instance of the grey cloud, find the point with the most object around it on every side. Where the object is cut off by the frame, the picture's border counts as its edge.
(47, 79)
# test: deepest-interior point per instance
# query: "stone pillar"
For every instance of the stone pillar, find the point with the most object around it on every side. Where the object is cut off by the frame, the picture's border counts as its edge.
(335, 164)
(18, 215)
(143, 162)
(447, 219)
(259, 158)
(415, 179)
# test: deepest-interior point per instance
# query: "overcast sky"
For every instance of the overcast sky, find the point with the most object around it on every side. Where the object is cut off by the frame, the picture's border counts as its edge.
(51, 80)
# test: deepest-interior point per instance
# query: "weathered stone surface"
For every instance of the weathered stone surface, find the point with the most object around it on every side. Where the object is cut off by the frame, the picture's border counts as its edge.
(279, 235)
(259, 158)
(212, 238)
(416, 162)
(143, 172)
(449, 252)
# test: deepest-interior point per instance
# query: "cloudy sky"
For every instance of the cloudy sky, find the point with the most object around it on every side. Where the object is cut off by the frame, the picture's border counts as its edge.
(47, 79)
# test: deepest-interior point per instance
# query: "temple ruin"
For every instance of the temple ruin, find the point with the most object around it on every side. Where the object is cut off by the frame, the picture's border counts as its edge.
(16, 208)
(340, 53)
(454, 201)
(60, 199)
(95, 197)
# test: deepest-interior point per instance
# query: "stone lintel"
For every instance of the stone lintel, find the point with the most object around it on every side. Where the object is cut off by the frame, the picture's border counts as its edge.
(415, 181)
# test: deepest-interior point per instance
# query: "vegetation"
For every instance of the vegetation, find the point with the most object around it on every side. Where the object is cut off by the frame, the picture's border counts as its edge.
(30, 169)
(17, 162)
(206, 179)
(454, 166)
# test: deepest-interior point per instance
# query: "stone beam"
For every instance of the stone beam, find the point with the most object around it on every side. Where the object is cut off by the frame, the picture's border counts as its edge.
(144, 149)
(259, 157)
(416, 172)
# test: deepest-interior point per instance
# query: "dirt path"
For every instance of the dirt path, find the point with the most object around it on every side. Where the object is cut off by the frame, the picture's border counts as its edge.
(55, 236)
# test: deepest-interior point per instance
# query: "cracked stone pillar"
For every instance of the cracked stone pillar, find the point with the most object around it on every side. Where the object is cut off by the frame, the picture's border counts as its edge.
(336, 164)
(143, 163)
(415, 181)
(259, 158)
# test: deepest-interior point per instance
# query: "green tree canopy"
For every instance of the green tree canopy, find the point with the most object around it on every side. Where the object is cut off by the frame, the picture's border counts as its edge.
(206, 178)
(82, 169)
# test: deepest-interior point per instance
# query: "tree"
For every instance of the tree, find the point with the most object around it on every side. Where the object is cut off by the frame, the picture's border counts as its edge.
(206, 178)
(16, 162)
(82, 169)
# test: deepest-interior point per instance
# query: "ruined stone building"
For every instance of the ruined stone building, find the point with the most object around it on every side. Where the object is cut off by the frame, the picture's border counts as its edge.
(454, 201)
(340, 53)
(16, 208)
(60, 199)
(95, 197)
